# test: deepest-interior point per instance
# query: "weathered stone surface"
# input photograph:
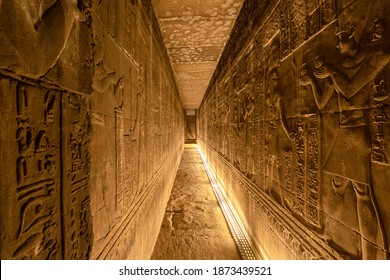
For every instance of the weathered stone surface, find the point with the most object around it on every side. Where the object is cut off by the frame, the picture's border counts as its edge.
(92, 129)
(295, 123)
(194, 227)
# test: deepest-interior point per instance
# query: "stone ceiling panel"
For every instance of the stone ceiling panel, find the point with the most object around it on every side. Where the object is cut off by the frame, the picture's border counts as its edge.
(210, 8)
(193, 87)
(193, 67)
(195, 33)
(190, 31)
(193, 75)
(194, 54)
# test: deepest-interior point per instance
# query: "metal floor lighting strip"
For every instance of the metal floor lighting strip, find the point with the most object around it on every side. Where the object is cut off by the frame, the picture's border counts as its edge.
(237, 229)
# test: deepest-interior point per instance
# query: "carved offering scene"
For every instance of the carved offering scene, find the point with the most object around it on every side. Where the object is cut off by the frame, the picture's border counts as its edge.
(311, 156)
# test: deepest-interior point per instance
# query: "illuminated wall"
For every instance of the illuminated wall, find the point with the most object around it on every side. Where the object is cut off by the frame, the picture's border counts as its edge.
(295, 124)
(92, 129)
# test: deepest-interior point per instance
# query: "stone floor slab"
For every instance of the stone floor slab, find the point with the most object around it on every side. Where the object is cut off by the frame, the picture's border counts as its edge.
(194, 226)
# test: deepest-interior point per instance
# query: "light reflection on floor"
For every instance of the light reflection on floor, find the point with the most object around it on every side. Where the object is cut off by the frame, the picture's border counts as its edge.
(243, 242)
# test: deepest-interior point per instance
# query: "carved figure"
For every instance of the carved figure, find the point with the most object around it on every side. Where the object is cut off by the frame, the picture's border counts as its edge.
(249, 106)
(118, 92)
(225, 128)
(104, 77)
(139, 127)
(248, 109)
(275, 119)
(135, 128)
(348, 160)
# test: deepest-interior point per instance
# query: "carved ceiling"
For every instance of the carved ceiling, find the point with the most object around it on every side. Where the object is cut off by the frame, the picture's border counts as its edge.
(195, 33)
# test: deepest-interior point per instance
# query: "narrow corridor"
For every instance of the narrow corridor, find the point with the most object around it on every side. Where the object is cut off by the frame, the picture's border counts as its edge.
(287, 101)
(194, 226)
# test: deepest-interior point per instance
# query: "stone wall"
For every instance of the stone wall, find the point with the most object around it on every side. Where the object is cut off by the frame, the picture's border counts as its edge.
(92, 129)
(295, 125)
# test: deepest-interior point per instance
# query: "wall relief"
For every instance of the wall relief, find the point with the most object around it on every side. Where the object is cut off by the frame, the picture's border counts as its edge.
(47, 189)
(321, 115)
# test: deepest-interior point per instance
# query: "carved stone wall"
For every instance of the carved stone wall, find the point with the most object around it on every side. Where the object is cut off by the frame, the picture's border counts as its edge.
(137, 129)
(92, 129)
(295, 124)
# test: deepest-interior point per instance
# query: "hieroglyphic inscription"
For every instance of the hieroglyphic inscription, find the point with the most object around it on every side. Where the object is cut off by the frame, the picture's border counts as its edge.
(37, 225)
(297, 23)
(130, 30)
(288, 176)
(328, 11)
(303, 194)
(76, 168)
(379, 120)
(285, 29)
(300, 143)
(47, 195)
(313, 173)
(329, 166)
(128, 181)
(313, 21)
(33, 195)
(299, 243)
(260, 110)
(119, 153)
(320, 13)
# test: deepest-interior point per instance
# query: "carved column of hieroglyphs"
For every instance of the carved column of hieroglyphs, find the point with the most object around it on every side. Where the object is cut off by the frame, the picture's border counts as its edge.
(50, 177)
(323, 126)
(285, 28)
(379, 120)
(303, 196)
(141, 112)
(75, 177)
(313, 18)
(259, 89)
(313, 183)
(119, 153)
(31, 205)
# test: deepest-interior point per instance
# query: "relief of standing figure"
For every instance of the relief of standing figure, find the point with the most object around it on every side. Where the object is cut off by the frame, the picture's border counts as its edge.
(275, 119)
(346, 164)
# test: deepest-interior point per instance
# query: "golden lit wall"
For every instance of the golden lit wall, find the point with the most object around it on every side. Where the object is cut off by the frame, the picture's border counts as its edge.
(295, 124)
(91, 130)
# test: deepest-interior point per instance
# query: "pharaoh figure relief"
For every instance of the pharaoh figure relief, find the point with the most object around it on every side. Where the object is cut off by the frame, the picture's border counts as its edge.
(353, 80)
(276, 125)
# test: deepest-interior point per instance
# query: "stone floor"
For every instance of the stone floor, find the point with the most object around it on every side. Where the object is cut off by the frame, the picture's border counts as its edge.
(194, 227)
